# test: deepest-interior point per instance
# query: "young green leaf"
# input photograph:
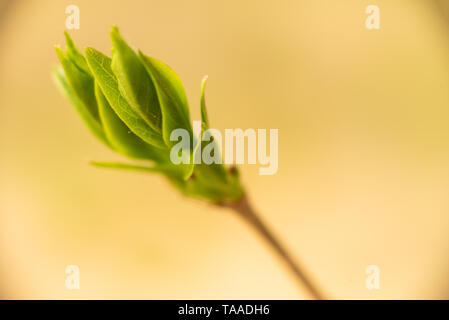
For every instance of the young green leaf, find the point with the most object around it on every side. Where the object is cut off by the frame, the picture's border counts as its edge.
(120, 165)
(121, 137)
(214, 173)
(100, 66)
(173, 102)
(92, 123)
(81, 83)
(204, 117)
(204, 122)
(172, 98)
(133, 103)
(134, 82)
(74, 54)
(167, 170)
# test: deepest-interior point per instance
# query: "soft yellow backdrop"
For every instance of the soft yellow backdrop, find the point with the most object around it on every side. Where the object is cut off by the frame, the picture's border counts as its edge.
(363, 119)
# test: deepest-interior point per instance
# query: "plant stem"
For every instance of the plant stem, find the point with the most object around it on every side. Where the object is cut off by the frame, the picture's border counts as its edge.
(245, 210)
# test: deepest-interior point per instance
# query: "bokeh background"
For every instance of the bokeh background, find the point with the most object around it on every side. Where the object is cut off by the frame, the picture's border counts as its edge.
(363, 119)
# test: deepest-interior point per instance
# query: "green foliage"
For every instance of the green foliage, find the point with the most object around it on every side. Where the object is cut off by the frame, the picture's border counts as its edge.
(100, 65)
(134, 82)
(121, 138)
(90, 120)
(132, 103)
(204, 117)
(173, 100)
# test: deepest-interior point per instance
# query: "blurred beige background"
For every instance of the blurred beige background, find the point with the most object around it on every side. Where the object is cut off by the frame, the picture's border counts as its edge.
(363, 161)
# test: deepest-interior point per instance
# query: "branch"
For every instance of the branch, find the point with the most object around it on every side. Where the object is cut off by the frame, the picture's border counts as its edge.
(245, 210)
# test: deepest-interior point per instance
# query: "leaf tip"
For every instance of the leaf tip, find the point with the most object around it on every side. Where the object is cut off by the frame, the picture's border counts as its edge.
(60, 53)
(203, 87)
(115, 29)
(68, 39)
(94, 163)
(116, 37)
(204, 117)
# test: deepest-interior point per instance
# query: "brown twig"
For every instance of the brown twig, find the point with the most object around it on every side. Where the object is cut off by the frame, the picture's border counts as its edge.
(245, 210)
